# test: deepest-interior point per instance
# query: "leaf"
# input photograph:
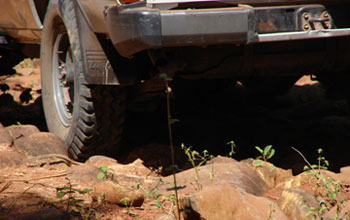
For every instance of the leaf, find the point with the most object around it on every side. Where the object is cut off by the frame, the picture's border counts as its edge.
(100, 176)
(163, 75)
(159, 204)
(86, 190)
(314, 166)
(267, 150)
(62, 188)
(258, 163)
(259, 149)
(60, 194)
(272, 152)
(326, 163)
(309, 212)
(332, 196)
(173, 121)
(104, 168)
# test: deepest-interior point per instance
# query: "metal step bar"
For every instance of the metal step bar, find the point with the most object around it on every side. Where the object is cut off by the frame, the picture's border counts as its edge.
(303, 35)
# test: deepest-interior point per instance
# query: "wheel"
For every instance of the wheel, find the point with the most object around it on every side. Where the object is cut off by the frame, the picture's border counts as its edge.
(89, 119)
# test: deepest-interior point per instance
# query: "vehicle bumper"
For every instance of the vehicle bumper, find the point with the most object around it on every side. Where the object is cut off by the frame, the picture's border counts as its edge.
(135, 27)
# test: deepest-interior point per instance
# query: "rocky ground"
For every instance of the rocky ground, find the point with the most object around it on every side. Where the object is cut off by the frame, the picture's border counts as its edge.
(39, 181)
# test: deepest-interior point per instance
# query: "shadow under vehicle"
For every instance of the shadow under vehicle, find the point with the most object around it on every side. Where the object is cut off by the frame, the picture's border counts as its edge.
(98, 56)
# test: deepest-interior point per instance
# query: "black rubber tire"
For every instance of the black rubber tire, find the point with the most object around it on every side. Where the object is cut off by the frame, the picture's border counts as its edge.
(97, 114)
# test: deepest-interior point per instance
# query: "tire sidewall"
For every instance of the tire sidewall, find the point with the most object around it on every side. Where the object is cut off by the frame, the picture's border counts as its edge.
(58, 10)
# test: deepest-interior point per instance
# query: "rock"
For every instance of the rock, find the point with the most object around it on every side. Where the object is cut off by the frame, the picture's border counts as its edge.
(344, 211)
(10, 159)
(293, 200)
(85, 174)
(43, 214)
(100, 161)
(271, 174)
(116, 193)
(5, 139)
(21, 131)
(166, 217)
(40, 144)
(220, 172)
(345, 170)
(134, 168)
(227, 203)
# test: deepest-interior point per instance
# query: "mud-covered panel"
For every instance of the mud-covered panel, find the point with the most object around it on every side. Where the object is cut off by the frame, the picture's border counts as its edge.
(94, 11)
(19, 21)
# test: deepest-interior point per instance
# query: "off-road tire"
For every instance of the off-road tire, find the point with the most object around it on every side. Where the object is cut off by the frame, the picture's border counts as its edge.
(97, 113)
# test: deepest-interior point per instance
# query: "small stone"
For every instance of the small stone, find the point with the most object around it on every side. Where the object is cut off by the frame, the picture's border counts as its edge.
(116, 193)
(101, 161)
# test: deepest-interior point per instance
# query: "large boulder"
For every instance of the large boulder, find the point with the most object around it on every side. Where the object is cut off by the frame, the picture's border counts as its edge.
(227, 203)
(297, 202)
(108, 189)
(41, 143)
(271, 174)
(19, 132)
(5, 139)
(220, 171)
(10, 159)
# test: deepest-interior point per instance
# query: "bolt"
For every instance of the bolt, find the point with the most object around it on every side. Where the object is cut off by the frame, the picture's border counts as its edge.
(306, 16)
(306, 27)
(325, 14)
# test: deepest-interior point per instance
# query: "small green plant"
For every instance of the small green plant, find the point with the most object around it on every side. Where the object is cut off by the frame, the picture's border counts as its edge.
(266, 154)
(105, 174)
(196, 159)
(233, 146)
(127, 202)
(322, 164)
(328, 189)
(171, 121)
(271, 211)
(316, 213)
(159, 200)
(72, 202)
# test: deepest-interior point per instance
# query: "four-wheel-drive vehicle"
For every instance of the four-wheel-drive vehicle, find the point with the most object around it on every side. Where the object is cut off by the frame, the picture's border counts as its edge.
(98, 55)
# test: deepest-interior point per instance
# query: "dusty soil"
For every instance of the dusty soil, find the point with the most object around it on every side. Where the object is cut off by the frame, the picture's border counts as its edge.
(305, 118)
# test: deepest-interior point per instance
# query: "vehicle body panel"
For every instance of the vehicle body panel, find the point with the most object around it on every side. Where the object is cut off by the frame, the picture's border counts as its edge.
(19, 19)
